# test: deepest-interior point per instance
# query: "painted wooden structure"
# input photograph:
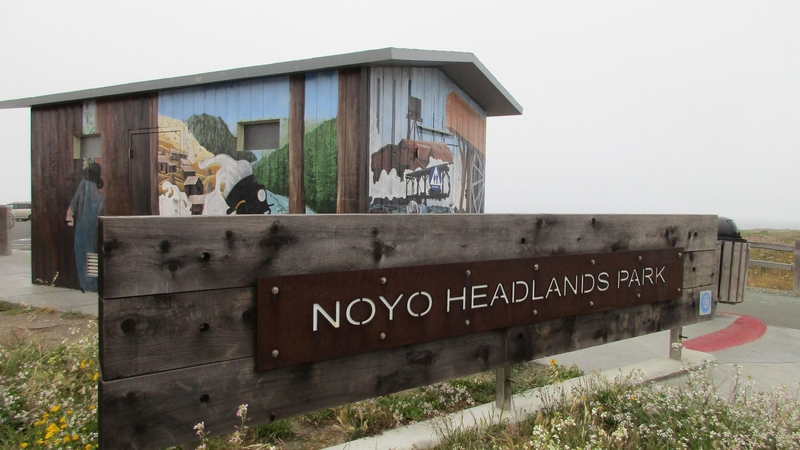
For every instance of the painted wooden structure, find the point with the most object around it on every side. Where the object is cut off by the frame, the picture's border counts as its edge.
(178, 308)
(325, 135)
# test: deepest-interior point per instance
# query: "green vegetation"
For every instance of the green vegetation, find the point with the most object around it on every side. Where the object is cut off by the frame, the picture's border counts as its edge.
(213, 134)
(48, 396)
(631, 414)
(320, 168)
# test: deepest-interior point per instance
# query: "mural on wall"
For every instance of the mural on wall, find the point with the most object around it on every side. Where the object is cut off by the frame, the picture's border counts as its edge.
(208, 163)
(86, 206)
(427, 143)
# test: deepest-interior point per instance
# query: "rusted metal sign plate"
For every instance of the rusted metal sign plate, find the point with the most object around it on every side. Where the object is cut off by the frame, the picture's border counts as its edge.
(309, 318)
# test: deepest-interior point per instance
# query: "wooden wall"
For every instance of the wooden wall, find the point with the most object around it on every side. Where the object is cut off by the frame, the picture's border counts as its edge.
(123, 124)
(178, 308)
(353, 135)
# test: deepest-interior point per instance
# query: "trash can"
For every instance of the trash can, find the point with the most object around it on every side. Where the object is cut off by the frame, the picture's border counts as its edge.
(733, 253)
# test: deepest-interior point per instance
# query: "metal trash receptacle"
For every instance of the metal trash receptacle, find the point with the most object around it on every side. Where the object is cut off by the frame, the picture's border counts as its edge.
(733, 254)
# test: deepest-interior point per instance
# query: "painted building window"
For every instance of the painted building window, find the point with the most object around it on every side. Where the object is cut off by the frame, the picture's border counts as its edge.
(85, 147)
(259, 136)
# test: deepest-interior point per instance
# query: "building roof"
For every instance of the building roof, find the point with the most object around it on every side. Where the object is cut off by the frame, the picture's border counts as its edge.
(463, 68)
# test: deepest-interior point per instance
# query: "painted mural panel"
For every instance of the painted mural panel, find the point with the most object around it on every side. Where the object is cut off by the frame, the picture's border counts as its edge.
(427, 143)
(87, 202)
(209, 164)
(320, 144)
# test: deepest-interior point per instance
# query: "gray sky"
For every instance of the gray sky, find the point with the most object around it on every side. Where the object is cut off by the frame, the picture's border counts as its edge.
(630, 106)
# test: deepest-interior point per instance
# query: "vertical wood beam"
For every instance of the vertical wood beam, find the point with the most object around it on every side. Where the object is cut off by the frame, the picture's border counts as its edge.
(297, 113)
(675, 338)
(6, 222)
(503, 387)
(796, 268)
(350, 141)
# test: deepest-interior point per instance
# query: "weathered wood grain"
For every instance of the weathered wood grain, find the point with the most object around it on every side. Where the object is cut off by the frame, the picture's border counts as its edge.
(155, 255)
(158, 410)
(55, 175)
(348, 133)
(150, 334)
(297, 114)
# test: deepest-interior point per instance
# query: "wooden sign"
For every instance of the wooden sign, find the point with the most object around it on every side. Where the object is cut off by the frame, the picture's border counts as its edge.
(315, 317)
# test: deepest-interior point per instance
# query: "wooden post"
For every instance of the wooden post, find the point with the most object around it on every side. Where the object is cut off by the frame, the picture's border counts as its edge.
(675, 338)
(6, 223)
(297, 101)
(503, 387)
(796, 268)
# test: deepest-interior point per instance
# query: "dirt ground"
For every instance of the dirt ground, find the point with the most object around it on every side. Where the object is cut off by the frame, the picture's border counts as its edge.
(19, 323)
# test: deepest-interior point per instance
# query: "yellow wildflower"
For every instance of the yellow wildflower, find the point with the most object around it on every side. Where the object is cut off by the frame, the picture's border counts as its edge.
(23, 445)
(83, 364)
(87, 447)
(69, 412)
(62, 420)
(55, 408)
(51, 430)
(65, 440)
(552, 362)
(74, 437)
(96, 376)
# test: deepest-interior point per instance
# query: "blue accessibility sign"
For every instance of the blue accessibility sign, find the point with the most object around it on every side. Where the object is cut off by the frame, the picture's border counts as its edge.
(705, 303)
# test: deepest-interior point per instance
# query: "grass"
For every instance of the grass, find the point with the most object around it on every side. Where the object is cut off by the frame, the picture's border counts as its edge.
(628, 414)
(11, 308)
(48, 396)
(771, 278)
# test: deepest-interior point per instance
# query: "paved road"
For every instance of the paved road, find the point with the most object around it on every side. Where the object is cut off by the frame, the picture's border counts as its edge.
(774, 308)
(21, 236)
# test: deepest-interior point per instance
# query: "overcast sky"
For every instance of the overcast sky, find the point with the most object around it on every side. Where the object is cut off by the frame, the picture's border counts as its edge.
(629, 107)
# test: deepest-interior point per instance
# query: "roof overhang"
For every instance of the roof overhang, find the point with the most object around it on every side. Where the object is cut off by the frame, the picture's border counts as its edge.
(463, 68)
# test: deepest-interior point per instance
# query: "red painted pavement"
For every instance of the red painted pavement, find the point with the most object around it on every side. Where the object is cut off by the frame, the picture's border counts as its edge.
(743, 330)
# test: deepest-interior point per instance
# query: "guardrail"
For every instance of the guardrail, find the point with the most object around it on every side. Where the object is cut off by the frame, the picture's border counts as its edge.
(794, 268)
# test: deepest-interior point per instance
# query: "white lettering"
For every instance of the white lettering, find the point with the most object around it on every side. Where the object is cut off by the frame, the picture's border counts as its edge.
(502, 295)
(648, 273)
(620, 279)
(533, 291)
(514, 292)
(318, 308)
(574, 288)
(658, 274)
(430, 303)
(350, 307)
(553, 283)
(634, 277)
(602, 280)
(463, 299)
(583, 284)
(390, 307)
(474, 296)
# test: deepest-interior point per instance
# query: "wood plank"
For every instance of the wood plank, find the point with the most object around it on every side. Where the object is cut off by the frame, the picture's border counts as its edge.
(725, 271)
(55, 175)
(736, 263)
(796, 274)
(297, 102)
(153, 255)
(771, 265)
(777, 247)
(743, 273)
(348, 200)
(363, 130)
(159, 410)
(164, 332)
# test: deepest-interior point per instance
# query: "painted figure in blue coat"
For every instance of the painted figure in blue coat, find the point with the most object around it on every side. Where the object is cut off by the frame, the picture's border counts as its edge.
(86, 206)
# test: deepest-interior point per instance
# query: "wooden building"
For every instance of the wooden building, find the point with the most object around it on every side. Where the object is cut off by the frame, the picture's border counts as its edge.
(351, 133)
